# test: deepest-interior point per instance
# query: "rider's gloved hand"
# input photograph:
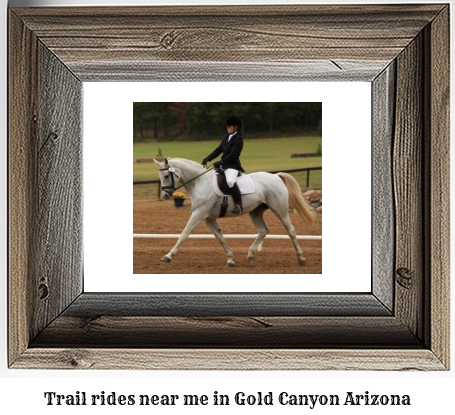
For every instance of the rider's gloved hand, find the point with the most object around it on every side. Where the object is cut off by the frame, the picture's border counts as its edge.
(205, 161)
(217, 164)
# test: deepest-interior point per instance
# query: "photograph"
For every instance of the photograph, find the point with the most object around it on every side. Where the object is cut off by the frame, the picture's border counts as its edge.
(232, 187)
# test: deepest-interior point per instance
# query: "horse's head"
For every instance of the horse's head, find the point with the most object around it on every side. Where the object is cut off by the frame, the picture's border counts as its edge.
(168, 179)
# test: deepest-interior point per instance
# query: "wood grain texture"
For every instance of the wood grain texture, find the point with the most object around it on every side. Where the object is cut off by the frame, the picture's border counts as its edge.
(309, 71)
(57, 253)
(407, 173)
(45, 187)
(90, 305)
(254, 332)
(403, 326)
(235, 359)
(22, 132)
(439, 186)
(383, 214)
(227, 34)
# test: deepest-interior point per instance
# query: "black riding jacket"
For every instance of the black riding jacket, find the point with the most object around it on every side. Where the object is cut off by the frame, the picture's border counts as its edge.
(231, 152)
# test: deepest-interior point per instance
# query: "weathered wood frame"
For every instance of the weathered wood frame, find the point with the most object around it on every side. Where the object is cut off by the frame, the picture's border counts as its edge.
(403, 50)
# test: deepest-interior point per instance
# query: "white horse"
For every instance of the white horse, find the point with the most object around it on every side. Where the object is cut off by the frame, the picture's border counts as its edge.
(277, 192)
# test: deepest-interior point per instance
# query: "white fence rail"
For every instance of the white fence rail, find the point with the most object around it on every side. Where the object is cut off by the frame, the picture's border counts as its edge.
(232, 236)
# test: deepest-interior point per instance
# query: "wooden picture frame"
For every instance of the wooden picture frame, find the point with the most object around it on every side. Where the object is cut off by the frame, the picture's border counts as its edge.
(402, 324)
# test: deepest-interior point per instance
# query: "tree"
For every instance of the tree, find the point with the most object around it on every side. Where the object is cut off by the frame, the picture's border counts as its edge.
(206, 120)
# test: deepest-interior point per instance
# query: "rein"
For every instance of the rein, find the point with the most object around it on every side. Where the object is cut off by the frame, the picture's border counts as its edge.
(172, 186)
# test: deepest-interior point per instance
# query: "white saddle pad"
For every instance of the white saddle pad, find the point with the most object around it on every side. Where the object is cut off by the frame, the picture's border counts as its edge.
(244, 181)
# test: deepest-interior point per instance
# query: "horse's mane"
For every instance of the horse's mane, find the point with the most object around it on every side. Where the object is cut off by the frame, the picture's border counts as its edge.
(194, 163)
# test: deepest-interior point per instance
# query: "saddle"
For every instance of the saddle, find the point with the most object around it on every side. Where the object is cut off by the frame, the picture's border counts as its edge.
(244, 181)
(221, 181)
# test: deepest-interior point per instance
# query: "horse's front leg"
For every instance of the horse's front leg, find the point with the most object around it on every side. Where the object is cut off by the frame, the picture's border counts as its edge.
(195, 220)
(213, 226)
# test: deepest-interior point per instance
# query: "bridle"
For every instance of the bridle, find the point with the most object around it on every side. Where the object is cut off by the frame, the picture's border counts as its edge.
(172, 185)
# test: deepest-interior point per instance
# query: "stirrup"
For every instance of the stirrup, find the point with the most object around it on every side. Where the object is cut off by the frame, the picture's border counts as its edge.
(237, 209)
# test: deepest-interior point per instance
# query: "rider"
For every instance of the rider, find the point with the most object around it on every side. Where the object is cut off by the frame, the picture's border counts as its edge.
(231, 147)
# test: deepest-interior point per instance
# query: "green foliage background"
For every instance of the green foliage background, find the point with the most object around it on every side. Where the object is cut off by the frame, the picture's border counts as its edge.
(198, 121)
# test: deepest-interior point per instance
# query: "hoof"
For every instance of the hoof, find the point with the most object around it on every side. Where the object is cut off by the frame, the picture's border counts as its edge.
(251, 259)
(166, 259)
(230, 264)
(302, 261)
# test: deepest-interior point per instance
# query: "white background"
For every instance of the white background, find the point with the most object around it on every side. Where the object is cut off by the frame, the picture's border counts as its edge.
(108, 209)
(22, 391)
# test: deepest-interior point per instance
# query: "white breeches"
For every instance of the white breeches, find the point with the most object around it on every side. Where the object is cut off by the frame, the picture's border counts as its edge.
(231, 176)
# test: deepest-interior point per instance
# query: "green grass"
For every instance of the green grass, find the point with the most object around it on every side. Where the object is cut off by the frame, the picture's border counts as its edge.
(257, 155)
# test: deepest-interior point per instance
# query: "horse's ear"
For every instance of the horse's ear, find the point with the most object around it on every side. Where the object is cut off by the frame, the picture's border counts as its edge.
(166, 163)
(157, 163)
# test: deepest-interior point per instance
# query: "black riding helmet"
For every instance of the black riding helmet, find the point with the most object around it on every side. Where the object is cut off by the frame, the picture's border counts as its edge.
(234, 121)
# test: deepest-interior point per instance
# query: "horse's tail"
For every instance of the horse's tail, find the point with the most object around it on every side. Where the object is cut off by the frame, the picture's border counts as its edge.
(296, 199)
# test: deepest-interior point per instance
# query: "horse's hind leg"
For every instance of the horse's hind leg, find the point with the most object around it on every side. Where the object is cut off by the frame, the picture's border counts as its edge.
(283, 215)
(213, 226)
(257, 217)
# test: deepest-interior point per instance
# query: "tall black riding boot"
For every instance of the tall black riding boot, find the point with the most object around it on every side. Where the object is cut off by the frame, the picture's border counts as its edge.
(237, 196)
